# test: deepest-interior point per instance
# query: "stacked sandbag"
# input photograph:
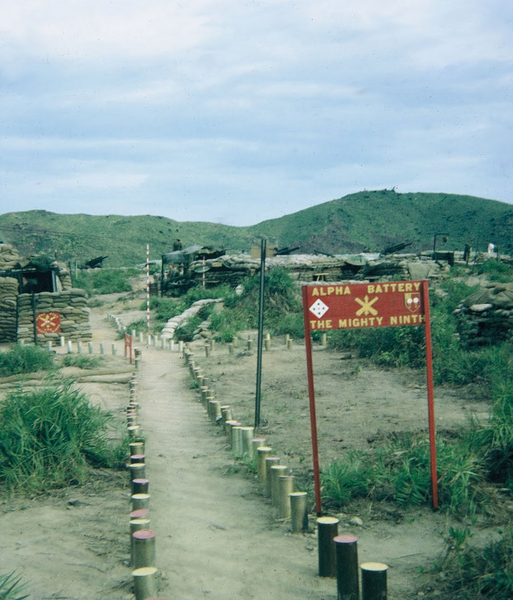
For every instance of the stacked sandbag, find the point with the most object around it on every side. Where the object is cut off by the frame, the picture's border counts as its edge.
(70, 305)
(63, 275)
(8, 296)
(9, 257)
(487, 315)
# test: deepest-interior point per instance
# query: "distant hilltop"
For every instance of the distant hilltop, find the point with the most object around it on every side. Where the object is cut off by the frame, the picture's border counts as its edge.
(365, 221)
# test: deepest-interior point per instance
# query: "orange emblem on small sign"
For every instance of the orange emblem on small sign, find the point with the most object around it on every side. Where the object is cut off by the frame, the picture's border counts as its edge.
(48, 322)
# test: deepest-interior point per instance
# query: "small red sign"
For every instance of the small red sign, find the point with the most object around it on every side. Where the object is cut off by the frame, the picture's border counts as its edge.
(48, 322)
(363, 305)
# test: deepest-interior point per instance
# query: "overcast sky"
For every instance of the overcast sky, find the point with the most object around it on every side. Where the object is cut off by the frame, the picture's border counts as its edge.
(234, 111)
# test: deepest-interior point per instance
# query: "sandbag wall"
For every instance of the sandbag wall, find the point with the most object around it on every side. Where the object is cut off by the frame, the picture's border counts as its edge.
(8, 299)
(70, 305)
(487, 315)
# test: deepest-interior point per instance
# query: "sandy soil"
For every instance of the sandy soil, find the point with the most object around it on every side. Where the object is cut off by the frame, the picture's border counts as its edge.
(217, 536)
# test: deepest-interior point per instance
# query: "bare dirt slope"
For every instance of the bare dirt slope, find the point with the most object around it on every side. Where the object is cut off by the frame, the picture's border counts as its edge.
(217, 537)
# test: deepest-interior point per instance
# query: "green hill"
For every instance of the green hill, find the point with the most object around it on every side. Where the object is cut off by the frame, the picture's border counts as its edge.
(374, 219)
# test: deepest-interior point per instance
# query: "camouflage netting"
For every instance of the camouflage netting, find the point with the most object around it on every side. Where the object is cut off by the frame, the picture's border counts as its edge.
(488, 315)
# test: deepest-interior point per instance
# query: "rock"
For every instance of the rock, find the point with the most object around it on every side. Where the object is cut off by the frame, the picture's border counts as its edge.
(356, 521)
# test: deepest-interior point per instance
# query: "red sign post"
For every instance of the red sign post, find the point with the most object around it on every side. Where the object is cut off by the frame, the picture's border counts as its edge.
(364, 305)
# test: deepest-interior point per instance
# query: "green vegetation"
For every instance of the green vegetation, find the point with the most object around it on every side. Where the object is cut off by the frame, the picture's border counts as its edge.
(81, 361)
(468, 573)
(374, 219)
(12, 587)
(496, 271)
(25, 359)
(400, 471)
(51, 436)
(105, 281)
(282, 307)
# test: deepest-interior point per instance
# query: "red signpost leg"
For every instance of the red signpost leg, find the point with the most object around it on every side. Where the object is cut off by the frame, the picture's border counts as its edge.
(311, 396)
(431, 402)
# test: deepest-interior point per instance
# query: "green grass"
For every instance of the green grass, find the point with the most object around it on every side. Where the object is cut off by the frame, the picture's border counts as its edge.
(105, 281)
(376, 219)
(400, 472)
(51, 436)
(25, 359)
(12, 587)
(471, 573)
(82, 361)
(497, 272)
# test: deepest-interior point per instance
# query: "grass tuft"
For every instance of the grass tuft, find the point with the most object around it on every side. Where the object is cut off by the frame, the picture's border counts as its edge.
(51, 436)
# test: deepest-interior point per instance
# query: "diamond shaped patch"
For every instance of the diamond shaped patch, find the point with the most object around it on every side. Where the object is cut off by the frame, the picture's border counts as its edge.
(319, 308)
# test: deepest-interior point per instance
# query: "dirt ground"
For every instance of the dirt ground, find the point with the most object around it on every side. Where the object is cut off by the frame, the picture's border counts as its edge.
(217, 536)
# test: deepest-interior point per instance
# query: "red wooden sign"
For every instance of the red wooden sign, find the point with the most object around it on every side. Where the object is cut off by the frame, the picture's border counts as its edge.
(365, 305)
(362, 305)
(48, 322)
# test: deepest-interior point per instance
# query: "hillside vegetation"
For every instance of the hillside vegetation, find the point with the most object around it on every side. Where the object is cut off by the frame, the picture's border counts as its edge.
(369, 219)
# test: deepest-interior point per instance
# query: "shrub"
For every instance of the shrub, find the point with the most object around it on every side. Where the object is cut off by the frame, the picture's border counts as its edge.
(50, 436)
(81, 361)
(497, 271)
(25, 359)
(476, 572)
(105, 281)
(400, 471)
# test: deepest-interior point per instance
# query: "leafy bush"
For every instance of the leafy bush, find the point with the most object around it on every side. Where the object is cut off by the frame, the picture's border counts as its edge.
(282, 307)
(25, 359)
(50, 436)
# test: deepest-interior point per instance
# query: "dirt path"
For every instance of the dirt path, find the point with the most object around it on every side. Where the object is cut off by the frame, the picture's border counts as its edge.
(217, 537)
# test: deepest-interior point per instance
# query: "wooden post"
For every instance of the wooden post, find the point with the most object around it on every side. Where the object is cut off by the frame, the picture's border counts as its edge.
(230, 348)
(285, 488)
(346, 551)
(229, 425)
(139, 514)
(136, 458)
(145, 582)
(263, 452)
(270, 461)
(134, 432)
(374, 581)
(136, 448)
(114, 350)
(256, 443)
(324, 338)
(207, 349)
(137, 471)
(137, 525)
(140, 486)
(289, 344)
(237, 441)
(226, 414)
(69, 345)
(90, 347)
(327, 530)
(299, 512)
(140, 501)
(246, 438)
(276, 472)
(144, 548)
(214, 409)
